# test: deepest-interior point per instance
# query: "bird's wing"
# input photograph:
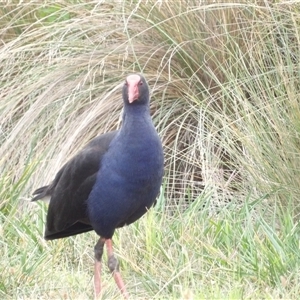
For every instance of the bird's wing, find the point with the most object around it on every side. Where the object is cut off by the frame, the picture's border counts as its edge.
(67, 212)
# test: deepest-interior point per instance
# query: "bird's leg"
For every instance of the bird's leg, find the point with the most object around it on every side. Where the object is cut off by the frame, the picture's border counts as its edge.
(113, 266)
(98, 250)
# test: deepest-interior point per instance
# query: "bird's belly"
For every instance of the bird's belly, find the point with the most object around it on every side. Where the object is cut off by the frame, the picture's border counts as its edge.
(116, 198)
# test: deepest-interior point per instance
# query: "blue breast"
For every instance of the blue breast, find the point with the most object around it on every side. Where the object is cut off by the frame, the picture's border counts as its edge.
(128, 180)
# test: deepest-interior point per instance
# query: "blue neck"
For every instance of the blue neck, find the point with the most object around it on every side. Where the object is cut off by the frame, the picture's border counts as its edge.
(136, 116)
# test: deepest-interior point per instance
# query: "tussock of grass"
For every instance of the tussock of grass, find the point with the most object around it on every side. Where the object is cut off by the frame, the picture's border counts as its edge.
(188, 254)
(217, 72)
(224, 80)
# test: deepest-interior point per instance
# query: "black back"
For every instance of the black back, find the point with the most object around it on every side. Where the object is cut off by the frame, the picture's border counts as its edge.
(69, 191)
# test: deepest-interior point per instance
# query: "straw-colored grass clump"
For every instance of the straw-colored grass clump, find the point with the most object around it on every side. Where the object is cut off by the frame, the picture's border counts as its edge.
(225, 86)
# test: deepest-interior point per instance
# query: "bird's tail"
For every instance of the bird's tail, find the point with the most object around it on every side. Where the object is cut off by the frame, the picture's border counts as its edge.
(41, 193)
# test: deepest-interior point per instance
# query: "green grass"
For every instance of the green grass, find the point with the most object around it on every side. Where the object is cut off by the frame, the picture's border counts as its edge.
(239, 253)
(225, 99)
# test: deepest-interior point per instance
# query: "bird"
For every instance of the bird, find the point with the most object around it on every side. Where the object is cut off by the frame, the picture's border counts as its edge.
(112, 182)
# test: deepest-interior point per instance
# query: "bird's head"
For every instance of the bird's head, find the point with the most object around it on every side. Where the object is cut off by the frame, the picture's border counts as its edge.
(135, 90)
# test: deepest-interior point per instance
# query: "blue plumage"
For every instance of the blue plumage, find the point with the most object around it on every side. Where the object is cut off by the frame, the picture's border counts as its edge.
(112, 182)
(131, 172)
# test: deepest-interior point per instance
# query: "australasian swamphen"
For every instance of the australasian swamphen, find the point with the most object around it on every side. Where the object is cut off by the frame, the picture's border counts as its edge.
(111, 182)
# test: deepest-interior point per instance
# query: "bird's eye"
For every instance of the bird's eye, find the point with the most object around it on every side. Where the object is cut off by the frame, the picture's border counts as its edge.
(126, 83)
(141, 83)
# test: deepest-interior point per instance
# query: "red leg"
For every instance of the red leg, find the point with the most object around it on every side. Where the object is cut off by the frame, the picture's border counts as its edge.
(97, 278)
(97, 271)
(114, 268)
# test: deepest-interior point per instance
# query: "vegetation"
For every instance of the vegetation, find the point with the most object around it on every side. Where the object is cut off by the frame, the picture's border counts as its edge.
(225, 87)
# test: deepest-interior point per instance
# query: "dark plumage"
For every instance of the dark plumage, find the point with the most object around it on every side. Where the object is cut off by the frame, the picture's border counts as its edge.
(111, 182)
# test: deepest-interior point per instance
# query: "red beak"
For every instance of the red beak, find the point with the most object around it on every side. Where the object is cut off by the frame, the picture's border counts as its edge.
(133, 87)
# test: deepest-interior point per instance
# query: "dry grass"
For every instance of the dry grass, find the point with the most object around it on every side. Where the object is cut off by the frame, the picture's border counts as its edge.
(225, 89)
(205, 63)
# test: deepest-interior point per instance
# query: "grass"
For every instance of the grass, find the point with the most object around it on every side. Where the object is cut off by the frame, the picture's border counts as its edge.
(187, 254)
(225, 84)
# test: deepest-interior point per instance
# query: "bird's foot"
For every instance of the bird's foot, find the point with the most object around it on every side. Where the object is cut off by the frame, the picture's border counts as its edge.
(113, 266)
